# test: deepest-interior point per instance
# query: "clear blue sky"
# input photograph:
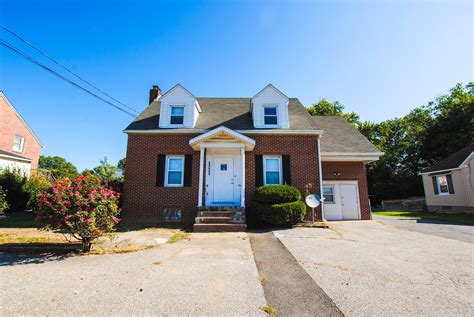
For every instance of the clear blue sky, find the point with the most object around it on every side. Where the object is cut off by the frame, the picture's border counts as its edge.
(379, 58)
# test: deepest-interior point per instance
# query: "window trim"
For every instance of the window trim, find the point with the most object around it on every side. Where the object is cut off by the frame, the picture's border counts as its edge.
(440, 193)
(333, 195)
(168, 158)
(22, 143)
(171, 115)
(277, 115)
(280, 169)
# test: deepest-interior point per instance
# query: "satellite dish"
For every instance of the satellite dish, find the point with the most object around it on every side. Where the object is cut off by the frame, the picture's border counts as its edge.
(312, 200)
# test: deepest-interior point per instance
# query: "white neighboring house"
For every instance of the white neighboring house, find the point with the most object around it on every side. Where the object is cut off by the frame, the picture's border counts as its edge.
(19, 146)
(449, 184)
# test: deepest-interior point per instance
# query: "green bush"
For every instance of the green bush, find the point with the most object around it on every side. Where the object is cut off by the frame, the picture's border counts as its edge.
(3, 201)
(12, 181)
(37, 183)
(276, 194)
(275, 205)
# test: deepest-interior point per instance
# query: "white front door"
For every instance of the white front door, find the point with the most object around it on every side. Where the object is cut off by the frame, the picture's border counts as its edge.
(224, 180)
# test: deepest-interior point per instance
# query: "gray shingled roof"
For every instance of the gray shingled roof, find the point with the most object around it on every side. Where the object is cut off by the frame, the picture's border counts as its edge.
(454, 160)
(340, 136)
(233, 113)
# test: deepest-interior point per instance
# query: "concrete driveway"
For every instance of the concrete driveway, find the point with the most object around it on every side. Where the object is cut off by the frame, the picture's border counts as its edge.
(212, 274)
(370, 268)
(436, 228)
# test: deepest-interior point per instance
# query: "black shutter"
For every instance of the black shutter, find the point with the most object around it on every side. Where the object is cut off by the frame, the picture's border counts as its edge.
(435, 185)
(450, 184)
(188, 170)
(160, 170)
(286, 169)
(258, 170)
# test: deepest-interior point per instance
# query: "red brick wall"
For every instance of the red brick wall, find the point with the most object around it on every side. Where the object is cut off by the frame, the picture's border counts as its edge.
(350, 171)
(144, 202)
(11, 125)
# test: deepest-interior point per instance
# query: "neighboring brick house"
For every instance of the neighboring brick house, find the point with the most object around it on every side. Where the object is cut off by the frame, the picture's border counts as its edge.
(19, 146)
(198, 160)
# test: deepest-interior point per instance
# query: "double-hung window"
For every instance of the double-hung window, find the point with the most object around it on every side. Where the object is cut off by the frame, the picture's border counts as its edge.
(270, 115)
(328, 194)
(272, 170)
(442, 182)
(18, 143)
(177, 115)
(174, 172)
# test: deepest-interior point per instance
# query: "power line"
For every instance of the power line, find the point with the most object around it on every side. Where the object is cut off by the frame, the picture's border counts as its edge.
(34, 61)
(65, 68)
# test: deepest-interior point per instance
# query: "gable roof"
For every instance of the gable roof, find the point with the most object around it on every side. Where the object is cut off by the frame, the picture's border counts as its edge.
(233, 113)
(2, 95)
(454, 160)
(274, 88)
(341, 137)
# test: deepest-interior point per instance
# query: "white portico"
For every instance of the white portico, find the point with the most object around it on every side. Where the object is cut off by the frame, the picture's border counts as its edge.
(222, 166)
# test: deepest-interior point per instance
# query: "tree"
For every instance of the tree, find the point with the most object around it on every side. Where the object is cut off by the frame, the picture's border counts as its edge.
(58, 166)
(106, 171)
(84, 208)
(326, 108)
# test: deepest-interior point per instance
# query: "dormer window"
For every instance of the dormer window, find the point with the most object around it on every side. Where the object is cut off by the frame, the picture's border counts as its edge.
(177, 115)
(270, 115)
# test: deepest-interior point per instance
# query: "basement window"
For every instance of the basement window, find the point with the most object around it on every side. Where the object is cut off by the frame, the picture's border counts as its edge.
(172, 214)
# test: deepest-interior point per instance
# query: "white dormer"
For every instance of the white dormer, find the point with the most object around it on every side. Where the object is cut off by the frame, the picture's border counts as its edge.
(178, 109)
(270, 109)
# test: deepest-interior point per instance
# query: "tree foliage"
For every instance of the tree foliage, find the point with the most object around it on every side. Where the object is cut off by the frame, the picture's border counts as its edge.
(58, 166)
(426, 135)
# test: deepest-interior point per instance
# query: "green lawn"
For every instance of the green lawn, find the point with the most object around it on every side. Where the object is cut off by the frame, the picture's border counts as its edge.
(18, 220)
(464, 219)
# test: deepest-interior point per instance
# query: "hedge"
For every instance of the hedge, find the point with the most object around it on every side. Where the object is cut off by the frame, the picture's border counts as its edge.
(276, 194)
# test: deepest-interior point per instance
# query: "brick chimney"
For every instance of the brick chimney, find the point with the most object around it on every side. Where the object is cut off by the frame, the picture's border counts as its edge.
(155, 93)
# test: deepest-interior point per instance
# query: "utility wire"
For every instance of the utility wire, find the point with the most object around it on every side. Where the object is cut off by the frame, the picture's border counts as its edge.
(34, 61)
(64, 67)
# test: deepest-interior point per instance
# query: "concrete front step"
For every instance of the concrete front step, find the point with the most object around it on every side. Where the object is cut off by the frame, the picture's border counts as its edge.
(219, 227)
(216, 213)
(213, 219)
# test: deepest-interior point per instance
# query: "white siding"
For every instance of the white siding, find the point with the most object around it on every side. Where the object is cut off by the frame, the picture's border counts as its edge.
(178, 96)
(270, 96)
(13, 164)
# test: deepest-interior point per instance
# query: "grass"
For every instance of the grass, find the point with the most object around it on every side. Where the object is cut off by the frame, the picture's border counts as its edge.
(18, 220)
(269, 310)
(464, 219)
(180, 235)
(262, 279)
(11, 238)
(157, 262)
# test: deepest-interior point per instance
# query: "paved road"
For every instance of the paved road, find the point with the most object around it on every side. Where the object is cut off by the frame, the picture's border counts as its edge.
(213, 274)
(372, 269)
(440, 229)
(287, 286)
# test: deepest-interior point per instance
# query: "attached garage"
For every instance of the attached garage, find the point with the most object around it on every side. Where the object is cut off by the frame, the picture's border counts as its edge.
(341, 200)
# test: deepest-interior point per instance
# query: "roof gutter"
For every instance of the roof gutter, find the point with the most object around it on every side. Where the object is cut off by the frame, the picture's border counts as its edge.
(193, 131)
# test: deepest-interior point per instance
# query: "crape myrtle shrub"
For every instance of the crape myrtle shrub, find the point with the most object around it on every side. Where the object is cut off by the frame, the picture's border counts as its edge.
(85, 208)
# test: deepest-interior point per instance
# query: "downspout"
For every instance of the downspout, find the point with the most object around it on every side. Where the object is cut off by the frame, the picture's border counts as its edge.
(320, 178)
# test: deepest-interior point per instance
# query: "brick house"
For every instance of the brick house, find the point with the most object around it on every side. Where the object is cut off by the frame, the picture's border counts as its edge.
(198, 160)
(19, 146)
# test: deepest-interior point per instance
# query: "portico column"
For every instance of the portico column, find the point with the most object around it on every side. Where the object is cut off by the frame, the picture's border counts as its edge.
(242, 188)
(201, 175)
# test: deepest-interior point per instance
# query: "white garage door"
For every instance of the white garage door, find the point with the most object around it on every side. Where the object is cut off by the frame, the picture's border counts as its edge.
(341, 200)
